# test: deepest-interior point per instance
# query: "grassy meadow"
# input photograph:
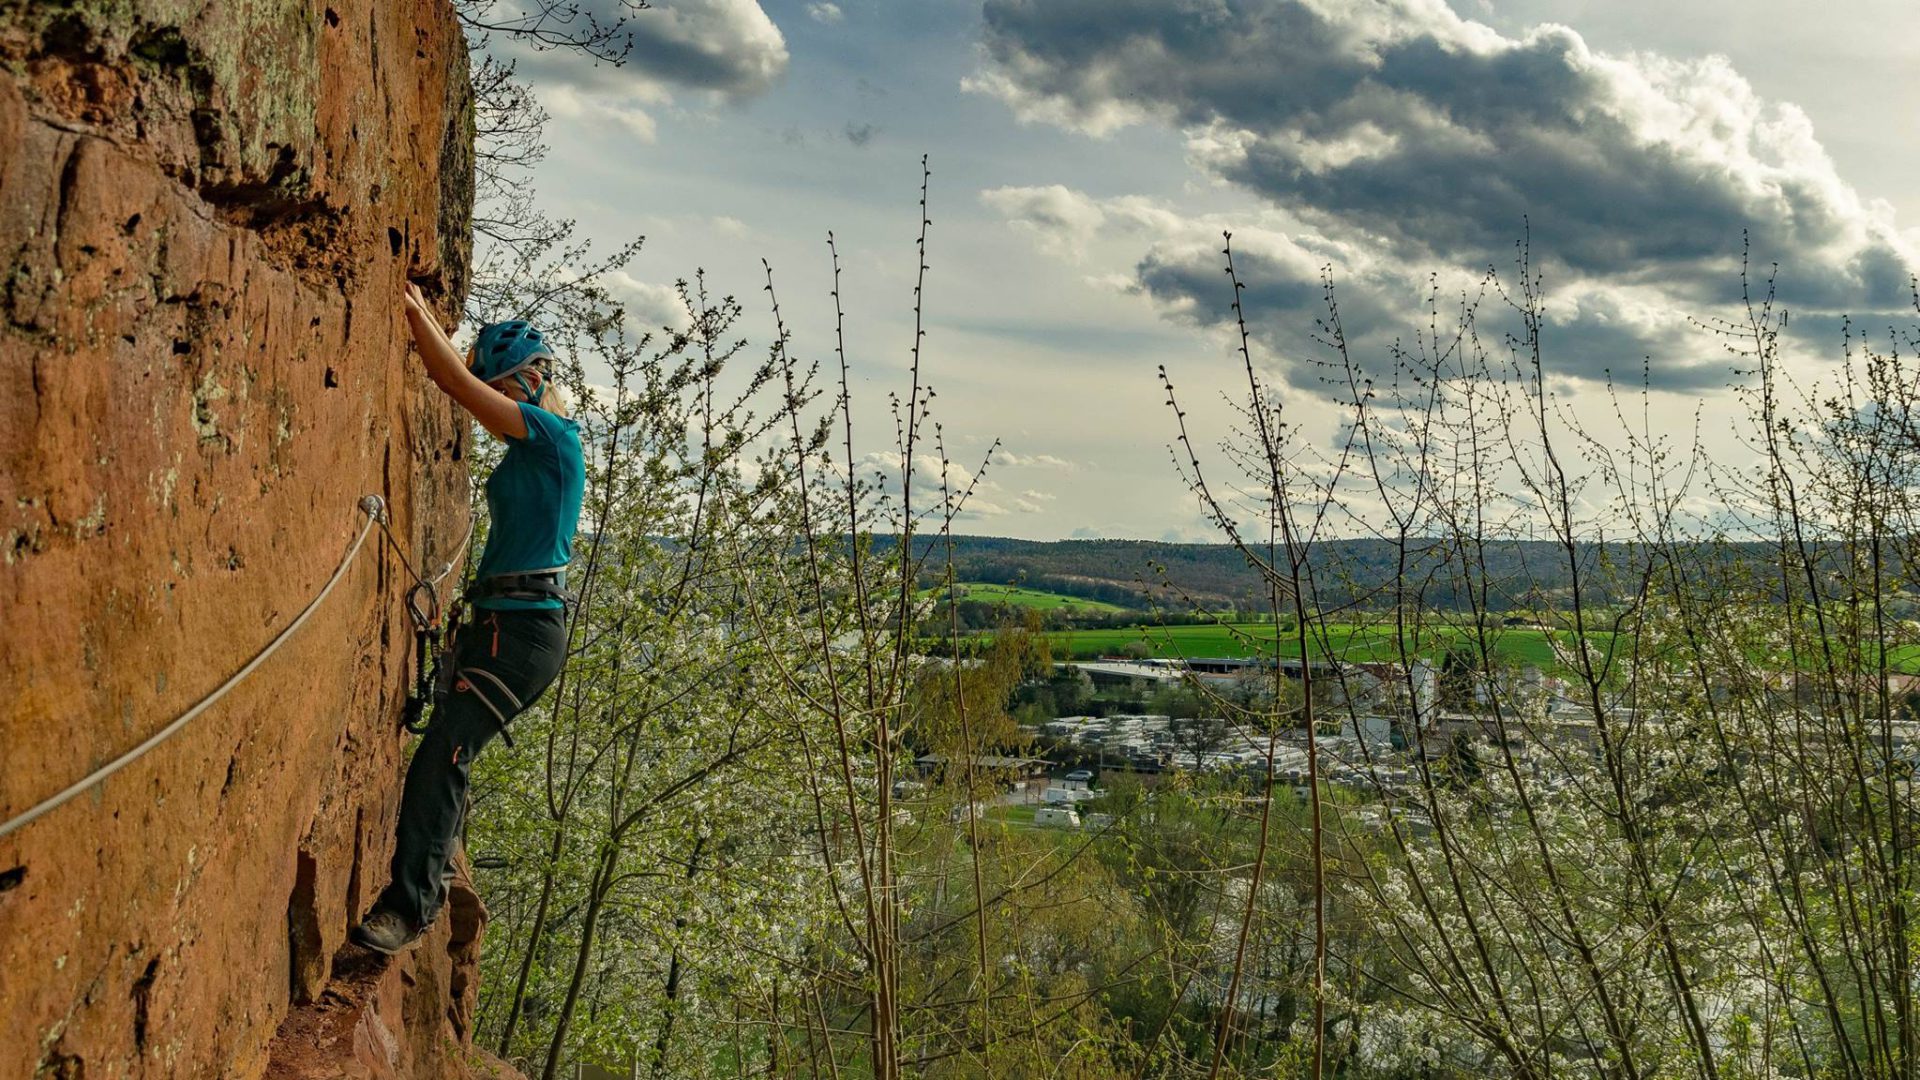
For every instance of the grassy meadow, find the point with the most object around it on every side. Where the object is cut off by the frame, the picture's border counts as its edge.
(1016, 596)
(1353, 641)
(1345, 641)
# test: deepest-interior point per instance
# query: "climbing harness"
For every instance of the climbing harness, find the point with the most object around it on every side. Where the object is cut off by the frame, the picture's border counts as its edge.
(548, 584)
(426, 655)
(435, 675)
(435, 643)
(432, 641)
(522, 585)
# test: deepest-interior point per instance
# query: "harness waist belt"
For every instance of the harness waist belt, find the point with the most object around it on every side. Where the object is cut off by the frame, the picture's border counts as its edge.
(529, 585)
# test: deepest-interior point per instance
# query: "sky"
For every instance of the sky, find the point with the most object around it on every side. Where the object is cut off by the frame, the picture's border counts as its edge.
(1087, 154)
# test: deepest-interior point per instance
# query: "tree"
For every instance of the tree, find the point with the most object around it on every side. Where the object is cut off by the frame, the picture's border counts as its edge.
(1197, 737)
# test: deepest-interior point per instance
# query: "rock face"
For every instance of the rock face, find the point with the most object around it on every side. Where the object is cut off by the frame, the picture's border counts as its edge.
(369, 1020)
(207, 211)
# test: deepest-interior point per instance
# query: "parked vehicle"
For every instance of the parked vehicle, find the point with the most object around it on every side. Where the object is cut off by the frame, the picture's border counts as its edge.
(1057, 817)
(1085, 776)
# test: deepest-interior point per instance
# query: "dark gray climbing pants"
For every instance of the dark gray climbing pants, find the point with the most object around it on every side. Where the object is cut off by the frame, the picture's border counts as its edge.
(502, 660)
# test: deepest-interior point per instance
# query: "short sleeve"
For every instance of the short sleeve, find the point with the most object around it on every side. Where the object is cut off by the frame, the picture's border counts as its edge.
(541, 426)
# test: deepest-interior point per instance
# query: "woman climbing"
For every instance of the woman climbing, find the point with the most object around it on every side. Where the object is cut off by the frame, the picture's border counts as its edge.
(515, 642)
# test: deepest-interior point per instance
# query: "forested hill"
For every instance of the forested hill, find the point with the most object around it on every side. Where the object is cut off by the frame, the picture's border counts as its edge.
(1514, 574)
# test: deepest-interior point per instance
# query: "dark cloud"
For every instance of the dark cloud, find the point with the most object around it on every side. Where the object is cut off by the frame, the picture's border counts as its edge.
(1594, 329)
(1400, 126)
(860, 134)
(1875, 277)
(1285, 297)
(727, 46)
(1191, 60)
(1281, 301)
(1598, 338)
(1593, 337)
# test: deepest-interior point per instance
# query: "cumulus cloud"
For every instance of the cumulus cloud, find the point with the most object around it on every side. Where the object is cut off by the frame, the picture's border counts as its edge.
(1400, 128)
(971, 494)
(1033, 501)
(649, 307)
(1065, 221)
(1061, 221)
(570, 102)
(827, 13)
(1004, 456)
(726, 47)
(1596, 328)
(1182, 262)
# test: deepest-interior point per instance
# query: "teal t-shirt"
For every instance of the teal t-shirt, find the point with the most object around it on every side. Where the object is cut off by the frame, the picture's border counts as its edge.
(533, 501)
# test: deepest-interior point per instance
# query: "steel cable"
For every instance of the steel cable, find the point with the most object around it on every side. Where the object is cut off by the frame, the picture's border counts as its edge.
(373, 507)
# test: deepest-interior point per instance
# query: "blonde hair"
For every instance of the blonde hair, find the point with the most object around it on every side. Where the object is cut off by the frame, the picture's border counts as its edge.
(552, 397)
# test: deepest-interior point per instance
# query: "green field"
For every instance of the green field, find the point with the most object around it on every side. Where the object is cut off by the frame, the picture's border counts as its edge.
(1018, 814)
(1348, 641)
(1015, 596)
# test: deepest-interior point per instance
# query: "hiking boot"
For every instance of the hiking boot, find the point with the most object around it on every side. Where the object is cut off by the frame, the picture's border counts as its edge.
(386, 931)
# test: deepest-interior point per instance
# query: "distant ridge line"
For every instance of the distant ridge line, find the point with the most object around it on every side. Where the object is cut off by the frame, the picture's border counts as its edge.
(1517, 574)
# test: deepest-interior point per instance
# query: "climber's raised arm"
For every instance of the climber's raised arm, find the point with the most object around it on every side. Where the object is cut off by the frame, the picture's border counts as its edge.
(496, 411)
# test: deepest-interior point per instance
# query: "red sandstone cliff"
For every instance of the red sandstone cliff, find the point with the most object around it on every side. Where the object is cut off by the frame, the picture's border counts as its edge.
(207, 208)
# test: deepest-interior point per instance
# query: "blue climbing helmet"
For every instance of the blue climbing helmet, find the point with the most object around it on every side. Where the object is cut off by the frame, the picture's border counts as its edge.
(506, 350)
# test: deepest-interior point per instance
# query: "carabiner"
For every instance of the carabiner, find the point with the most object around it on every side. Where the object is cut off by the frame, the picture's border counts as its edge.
(429, 619)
